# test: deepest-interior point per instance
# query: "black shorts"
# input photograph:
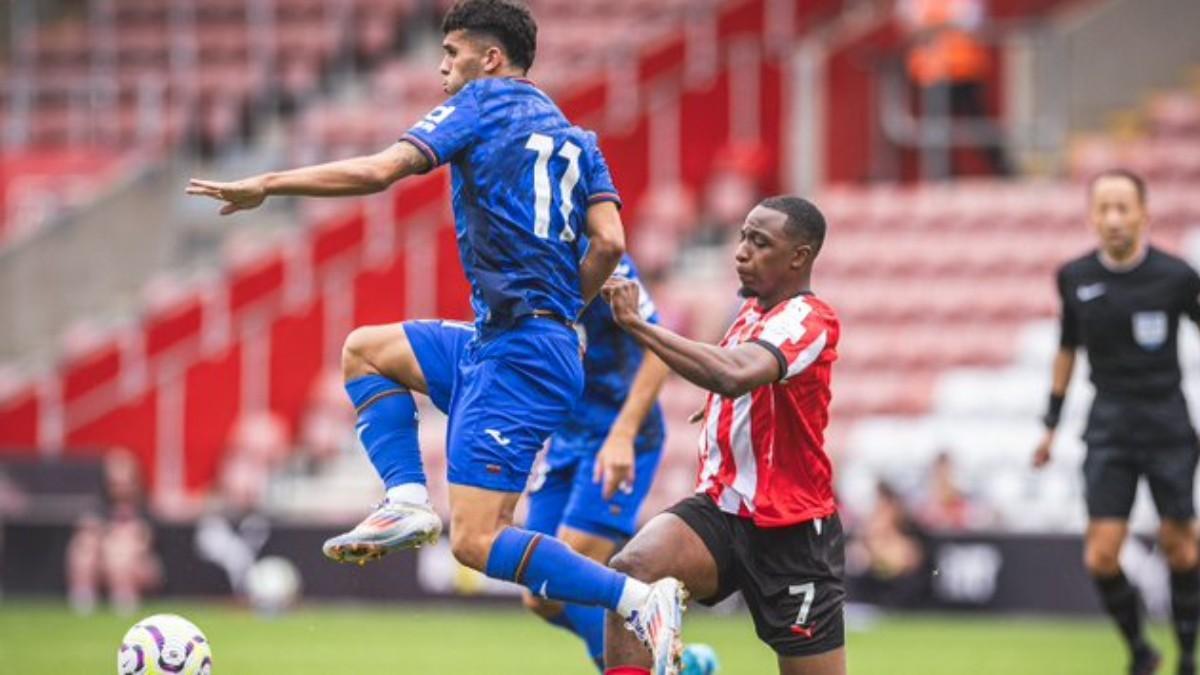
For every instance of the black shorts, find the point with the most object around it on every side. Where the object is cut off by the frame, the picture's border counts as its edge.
(791, 577)
(1148, 421)
(1111, 474)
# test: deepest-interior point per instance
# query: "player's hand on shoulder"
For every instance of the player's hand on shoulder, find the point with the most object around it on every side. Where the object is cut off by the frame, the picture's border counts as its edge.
(1041, 454)
(614, 466)
(623, 296)
(240, 195)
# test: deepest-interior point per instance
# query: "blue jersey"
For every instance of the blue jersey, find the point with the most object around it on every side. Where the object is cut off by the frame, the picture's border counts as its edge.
(610, 362)
(523, 179)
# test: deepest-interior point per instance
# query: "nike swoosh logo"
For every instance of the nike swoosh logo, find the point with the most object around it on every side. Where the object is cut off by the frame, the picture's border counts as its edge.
(1089, 292)
(542, 590)
(496, 436)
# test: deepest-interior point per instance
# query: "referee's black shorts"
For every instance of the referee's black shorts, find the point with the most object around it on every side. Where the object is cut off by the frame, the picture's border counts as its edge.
(1128, 438)
(790, 577)
(1111, 474)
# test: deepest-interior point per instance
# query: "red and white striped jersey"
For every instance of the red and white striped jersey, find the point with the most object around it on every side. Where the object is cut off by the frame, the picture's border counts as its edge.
(762, 455)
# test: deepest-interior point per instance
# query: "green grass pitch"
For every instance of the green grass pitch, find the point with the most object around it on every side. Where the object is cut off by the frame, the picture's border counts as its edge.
(43, 638)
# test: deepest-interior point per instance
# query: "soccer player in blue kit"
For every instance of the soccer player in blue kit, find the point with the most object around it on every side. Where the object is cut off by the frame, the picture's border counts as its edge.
(529, 189)
(599, 466)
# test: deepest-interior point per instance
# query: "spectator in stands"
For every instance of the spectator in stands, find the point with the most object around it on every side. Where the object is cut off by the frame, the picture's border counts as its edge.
(886, 559)
(232, 535)
(665, 219)
(946, 506)
(113, 547)
(949, 63)
(261, 438)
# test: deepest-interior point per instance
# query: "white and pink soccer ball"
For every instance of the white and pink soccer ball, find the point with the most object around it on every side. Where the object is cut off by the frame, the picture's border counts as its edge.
(164, 644)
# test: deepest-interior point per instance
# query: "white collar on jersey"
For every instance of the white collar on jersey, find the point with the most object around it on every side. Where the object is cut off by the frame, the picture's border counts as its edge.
(1128, 266)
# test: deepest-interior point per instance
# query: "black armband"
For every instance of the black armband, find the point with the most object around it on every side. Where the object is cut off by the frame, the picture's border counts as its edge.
(1054, 411)
(777, 353)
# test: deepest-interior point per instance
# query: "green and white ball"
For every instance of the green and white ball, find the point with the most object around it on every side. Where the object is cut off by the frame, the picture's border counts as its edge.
(164, 644)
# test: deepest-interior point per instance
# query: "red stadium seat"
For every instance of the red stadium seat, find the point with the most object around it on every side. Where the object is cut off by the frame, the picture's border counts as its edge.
(174, 315)
(92, 359)
(212, 399)
(20, 407)
(297, 356)
(255, 276)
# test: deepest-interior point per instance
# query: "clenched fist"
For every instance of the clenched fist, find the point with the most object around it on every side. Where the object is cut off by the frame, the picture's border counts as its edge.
(624, 296)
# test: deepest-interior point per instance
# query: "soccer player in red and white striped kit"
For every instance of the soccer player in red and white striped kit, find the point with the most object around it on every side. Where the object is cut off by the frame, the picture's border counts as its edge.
(763, 520)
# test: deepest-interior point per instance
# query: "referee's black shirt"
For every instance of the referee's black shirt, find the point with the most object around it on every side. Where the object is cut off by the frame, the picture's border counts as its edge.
(1128, 322)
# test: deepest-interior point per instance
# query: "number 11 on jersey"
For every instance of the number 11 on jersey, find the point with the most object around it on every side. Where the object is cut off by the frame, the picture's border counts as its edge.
(544, 147)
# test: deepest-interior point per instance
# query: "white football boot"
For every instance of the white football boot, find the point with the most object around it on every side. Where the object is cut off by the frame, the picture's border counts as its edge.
(392, 526)
(658, 623)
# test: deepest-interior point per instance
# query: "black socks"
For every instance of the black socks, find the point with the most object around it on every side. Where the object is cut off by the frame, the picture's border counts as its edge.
(1124, 604)
(1185, 613)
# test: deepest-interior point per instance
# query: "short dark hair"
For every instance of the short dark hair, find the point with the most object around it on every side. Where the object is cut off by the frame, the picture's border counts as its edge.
(804, 219)
(1139, 183)
(507, 22)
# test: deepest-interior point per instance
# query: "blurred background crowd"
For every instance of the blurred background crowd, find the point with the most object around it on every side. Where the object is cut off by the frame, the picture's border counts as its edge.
(167, 369)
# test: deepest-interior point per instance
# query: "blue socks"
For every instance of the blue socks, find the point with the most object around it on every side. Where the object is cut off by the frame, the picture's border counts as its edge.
(550, 569)
(387, 427)
(588, 624)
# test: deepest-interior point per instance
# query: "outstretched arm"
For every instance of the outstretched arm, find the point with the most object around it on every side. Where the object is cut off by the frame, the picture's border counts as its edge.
(727, 372)
(356, 176)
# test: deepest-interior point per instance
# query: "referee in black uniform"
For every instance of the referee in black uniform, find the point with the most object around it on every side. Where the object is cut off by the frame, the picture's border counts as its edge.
(1123, 303)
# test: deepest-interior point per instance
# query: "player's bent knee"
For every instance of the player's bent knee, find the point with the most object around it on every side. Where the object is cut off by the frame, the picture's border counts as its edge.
(1182, 559)
(1101, 561)
(470, 548)
(355, 350)
(1181, 554)
(632, 562)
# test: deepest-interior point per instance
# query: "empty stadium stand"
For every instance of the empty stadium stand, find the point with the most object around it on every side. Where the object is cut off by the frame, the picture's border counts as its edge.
(171, 386)
(945, 291)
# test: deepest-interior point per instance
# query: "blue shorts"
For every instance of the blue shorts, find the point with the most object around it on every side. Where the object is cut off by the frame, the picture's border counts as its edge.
(504, 395)
(563, 493)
